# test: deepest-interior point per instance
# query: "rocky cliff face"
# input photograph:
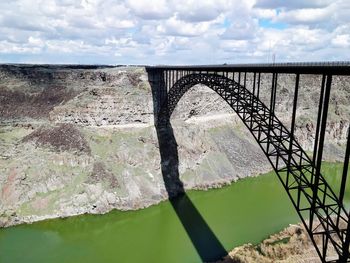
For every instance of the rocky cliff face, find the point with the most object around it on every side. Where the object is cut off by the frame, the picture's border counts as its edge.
(290, 245)
(82, 140)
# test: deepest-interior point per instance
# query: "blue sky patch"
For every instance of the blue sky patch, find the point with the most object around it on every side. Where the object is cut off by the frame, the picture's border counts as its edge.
(267, 23)
(226, 23)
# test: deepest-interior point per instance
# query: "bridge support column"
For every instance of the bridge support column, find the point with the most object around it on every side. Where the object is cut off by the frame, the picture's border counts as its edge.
(158, 81)
(346, 252)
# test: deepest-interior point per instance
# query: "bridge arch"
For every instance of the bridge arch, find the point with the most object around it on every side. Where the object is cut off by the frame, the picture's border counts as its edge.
(257, 117)
(217, 83)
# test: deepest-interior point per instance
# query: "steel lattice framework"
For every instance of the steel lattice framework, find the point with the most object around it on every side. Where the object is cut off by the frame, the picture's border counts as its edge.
(319, 207)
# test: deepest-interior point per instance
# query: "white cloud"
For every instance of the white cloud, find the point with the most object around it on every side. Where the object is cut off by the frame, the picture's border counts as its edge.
(292, 4)
(265, 13)
(200, 11)
(36, 42)
(342, 41)
(176, 27)
(150, 9)
(170, 31)
(307, 15)
(241, 30)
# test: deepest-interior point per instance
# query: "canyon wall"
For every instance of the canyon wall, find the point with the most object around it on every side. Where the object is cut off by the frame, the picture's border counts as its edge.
(77, 140)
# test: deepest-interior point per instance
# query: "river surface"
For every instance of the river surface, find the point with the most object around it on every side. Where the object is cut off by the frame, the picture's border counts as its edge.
(247, 211)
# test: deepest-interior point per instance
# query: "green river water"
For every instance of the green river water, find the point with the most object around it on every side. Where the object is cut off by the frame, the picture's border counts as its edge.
(245, 212)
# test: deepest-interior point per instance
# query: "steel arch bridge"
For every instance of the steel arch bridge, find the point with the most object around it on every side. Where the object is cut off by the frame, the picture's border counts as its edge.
(319, 207)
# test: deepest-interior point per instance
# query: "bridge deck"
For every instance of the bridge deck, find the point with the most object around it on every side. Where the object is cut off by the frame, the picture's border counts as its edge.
(334, 68)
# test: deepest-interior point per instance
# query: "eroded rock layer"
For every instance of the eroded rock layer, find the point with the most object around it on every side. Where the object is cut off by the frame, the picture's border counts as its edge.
(79, 140)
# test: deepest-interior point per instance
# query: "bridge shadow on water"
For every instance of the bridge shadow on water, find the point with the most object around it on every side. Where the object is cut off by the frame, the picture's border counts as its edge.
(202, 237)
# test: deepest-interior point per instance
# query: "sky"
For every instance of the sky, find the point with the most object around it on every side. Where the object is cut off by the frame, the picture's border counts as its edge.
(151, 32)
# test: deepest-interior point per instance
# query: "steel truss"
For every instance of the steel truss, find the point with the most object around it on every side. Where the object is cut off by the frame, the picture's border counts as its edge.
(320, 209)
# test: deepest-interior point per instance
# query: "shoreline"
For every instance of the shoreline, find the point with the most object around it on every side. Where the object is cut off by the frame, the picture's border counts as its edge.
(28, 220)
(217, 185)
(275, 243)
